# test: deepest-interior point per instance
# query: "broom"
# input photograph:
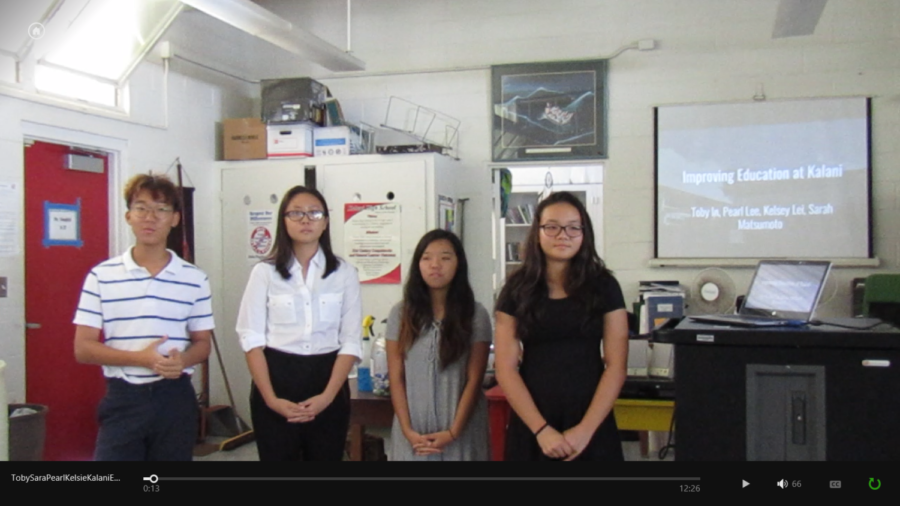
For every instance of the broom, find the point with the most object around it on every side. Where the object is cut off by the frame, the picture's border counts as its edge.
(235, 429)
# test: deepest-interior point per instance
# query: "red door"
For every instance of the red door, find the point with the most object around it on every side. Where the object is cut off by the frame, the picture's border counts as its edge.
(66, 233)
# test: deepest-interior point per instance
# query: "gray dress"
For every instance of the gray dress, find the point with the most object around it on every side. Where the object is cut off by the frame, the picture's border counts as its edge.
(433, 394)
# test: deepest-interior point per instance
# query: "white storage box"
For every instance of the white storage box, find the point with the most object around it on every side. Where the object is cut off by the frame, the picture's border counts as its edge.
(331, 141)
(287, 140)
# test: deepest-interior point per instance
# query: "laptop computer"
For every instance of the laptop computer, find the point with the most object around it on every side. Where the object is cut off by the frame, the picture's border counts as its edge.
(783, 293)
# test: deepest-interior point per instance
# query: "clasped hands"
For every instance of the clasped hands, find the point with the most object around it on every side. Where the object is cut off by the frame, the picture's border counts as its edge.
(169, 366)
(300, 412)
(567, 445)
(429, 444)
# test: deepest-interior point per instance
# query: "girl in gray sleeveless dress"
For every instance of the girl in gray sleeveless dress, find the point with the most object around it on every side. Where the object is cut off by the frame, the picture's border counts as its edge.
(438, 340)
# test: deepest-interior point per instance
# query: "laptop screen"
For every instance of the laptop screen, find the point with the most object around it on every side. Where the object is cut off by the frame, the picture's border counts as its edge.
(786, 288)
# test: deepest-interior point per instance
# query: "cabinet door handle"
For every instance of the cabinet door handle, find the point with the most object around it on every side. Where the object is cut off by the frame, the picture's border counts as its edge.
(798, 418)
(32, 325)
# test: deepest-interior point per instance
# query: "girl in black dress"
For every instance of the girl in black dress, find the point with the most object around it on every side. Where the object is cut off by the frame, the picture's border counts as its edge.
(554, 312)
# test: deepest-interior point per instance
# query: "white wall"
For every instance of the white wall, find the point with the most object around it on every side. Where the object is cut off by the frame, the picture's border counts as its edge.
(708, 51)
(195, 107)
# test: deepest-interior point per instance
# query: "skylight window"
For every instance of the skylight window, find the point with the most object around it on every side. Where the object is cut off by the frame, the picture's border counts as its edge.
(80, 87)
(108, 38)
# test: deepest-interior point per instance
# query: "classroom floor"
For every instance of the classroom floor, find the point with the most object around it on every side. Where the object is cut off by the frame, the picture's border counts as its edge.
(631, 449)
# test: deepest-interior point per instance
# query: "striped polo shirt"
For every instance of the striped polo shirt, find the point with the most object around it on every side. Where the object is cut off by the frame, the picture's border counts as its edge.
(133, 308)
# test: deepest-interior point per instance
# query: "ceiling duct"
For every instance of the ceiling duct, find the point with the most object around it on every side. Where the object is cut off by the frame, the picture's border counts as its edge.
(260, 22)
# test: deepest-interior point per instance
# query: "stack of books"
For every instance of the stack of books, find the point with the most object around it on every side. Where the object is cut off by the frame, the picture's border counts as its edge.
(520, 215)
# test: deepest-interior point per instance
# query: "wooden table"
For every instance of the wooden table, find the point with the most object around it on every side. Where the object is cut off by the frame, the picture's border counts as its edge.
(366, 409)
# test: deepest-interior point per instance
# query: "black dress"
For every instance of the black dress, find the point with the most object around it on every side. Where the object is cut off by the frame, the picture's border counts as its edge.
(561, 366)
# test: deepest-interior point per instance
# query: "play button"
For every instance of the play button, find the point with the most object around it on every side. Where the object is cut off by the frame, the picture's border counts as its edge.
(745, 483)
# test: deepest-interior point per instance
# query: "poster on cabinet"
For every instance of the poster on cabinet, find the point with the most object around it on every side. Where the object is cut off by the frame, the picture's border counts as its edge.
(372, 241)
(260, 234)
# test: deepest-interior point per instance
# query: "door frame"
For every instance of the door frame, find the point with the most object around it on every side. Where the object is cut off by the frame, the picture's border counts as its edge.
(116, 150)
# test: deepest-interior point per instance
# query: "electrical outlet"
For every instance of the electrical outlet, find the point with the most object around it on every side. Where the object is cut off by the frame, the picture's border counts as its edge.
(165, 50)
(646, 44)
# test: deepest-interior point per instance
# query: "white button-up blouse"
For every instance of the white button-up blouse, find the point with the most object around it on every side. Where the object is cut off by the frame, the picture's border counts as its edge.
(309, 316)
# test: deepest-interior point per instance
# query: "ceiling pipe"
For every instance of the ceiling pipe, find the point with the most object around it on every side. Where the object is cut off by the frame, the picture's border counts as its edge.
(260, 22)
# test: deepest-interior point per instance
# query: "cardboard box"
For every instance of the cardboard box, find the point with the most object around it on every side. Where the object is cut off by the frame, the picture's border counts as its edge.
(295, 140)
(293, 101)
(244, 139)
(331, 141)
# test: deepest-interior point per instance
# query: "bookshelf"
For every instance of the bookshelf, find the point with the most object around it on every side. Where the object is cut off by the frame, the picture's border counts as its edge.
(512, 230)
(516, 225)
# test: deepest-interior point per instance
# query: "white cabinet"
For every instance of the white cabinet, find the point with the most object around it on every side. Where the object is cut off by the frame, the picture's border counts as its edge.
(252, 190)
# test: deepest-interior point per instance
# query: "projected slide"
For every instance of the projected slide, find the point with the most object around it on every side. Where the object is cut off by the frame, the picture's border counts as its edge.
(763, 180)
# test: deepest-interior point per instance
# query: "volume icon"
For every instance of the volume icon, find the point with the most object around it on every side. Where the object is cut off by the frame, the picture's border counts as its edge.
(783, 484)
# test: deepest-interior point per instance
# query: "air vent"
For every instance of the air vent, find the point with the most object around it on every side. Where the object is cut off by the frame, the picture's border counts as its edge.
(84, 163)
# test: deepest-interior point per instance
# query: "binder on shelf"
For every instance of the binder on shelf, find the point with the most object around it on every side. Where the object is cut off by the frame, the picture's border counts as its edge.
(659, 302)
(660, 307)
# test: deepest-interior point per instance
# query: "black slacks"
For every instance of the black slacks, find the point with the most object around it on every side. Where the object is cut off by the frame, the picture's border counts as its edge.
(297, 378)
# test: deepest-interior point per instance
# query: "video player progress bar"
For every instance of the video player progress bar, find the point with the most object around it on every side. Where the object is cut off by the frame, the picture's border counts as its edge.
(442, 478)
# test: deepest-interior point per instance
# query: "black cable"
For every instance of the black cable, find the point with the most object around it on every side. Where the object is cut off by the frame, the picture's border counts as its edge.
(816, 323)
(664, 451)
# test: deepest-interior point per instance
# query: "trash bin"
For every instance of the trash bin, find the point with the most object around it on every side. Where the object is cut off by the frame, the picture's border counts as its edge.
(26, 432)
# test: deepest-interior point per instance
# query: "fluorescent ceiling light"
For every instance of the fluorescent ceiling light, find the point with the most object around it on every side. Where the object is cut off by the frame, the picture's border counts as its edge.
(260, 22)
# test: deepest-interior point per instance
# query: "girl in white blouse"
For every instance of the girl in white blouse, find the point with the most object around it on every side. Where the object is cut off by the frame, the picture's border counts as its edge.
(299, 325)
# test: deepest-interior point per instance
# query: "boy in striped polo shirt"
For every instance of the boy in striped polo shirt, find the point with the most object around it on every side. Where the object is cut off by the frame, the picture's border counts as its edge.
(155, 312)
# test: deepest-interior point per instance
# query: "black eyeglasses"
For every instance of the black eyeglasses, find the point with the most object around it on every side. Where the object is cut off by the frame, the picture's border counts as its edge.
(314, 215)
(571, 230)
(141, 211)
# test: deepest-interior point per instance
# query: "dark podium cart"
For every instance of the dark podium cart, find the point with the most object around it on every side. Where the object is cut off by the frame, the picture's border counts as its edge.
(811, 393)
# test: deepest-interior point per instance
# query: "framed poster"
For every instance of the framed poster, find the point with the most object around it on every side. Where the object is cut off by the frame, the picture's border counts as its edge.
(549, 111)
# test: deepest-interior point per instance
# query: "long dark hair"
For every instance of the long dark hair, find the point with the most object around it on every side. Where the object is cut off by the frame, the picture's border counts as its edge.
(283, 251)
(456, 328)
(527, 286)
